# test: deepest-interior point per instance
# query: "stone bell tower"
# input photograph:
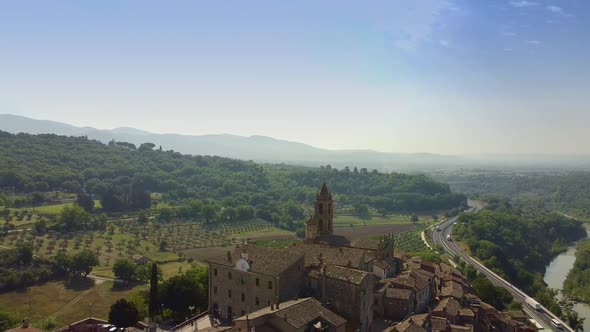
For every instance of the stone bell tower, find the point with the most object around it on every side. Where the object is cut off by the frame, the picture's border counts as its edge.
(322, 221)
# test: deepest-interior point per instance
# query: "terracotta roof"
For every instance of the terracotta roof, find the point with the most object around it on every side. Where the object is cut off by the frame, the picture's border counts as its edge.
(382, 264)
(298, 313)
(414, 323)
(410, 279)
(341, 273)
(332, 255)
(265, 260)
(452, 289)
(467, 312)
(420, 263)
(398, 293)
(448, 305)
(458, 328)
(438, 323)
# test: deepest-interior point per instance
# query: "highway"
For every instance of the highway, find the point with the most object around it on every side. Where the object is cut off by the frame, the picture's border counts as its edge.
(439, 237)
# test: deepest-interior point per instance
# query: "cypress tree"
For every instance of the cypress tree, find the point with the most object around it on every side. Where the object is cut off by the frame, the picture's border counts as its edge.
(154, 304)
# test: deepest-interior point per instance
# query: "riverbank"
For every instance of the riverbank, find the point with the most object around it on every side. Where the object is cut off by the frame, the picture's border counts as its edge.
(577, 282)
(556, 274)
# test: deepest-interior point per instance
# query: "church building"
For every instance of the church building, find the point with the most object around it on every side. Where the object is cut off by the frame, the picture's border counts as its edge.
(322, 222)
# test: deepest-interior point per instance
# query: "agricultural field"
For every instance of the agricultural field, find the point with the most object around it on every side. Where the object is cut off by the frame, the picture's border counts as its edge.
(409, 240)
(162, 243)
(374, 220)
(60, 303)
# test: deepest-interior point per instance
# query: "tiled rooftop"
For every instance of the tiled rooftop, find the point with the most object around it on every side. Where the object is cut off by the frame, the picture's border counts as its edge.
(298, 313)
(332, 255)
(269, 261)
(341, 273)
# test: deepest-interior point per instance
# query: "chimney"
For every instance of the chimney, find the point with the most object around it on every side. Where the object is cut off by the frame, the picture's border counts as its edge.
(272, 307)
(278, 305)
(25, 323)
(228, 256)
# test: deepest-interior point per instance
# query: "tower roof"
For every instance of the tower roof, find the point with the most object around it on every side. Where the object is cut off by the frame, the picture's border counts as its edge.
(324, 190)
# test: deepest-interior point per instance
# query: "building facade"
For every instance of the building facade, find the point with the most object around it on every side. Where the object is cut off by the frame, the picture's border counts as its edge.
(251, 278)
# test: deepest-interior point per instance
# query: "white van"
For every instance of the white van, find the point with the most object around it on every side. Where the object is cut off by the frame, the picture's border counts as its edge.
(556, 323)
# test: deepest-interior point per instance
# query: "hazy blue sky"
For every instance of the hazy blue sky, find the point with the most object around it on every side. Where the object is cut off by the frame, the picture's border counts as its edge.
(473, 76)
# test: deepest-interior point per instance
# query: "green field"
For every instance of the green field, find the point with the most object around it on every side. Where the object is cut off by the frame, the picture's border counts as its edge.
(411, 240)
(281, 243)
(373, 220)
(64, 303)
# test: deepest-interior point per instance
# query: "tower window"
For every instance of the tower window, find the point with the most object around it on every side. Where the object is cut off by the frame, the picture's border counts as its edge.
(270, 285)
(257, 282)
(257, 301)
(321, 208)
(229, 293)
(243, 297)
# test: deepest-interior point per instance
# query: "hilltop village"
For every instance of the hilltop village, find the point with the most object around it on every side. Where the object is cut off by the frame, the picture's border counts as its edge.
(322, 285)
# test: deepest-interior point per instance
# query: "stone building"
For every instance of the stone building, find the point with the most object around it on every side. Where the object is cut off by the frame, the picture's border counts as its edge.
(298, 315)
(322, 221)
(347, 291)
(253, 277)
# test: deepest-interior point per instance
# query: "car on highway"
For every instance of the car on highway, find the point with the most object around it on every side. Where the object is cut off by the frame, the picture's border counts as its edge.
(557, 324)
(449, 237)
(438, 228)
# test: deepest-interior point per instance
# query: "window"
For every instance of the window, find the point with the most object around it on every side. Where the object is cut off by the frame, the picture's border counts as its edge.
(257, 282)
(243, 297)
(270, 285)
(229, 293)
(257, 301)
(321, 208)
(215, 272)
(214, 289)
(268, 303)
(229, 275)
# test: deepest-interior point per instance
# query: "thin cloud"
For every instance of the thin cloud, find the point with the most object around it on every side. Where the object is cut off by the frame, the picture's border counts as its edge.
(555, 9)
(509, 33)
(523, 3)
(558, 10)
(533, 42)
(443, 42)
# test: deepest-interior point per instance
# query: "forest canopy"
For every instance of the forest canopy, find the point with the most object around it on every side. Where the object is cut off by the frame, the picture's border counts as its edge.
(123, 177)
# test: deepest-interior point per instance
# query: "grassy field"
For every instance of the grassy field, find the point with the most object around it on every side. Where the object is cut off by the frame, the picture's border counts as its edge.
(410, 240)
(64, 302)
(348, 220)
(281, 243)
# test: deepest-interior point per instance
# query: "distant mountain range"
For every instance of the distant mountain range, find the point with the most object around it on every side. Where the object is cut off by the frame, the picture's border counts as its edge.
(271, 150)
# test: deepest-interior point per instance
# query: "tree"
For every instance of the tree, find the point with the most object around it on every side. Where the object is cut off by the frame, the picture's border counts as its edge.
(83, 262)
(183, 291)
(24, 253)
(165, 215)
(85, 201)
(36, 199)
(154, 303)
(434, 217)
(142, 217)
(124, 269)
(163, 245)
(414, 218)
(40, 227)
(123, 314)
(73, 218)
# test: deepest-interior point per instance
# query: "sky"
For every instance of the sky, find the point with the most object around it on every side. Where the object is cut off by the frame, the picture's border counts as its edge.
(439, 76)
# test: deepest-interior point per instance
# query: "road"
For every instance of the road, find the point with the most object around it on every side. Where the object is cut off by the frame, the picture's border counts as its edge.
(443, 238)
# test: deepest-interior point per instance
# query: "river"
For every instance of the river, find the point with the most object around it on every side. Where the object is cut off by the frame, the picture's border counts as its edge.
(556, 273)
